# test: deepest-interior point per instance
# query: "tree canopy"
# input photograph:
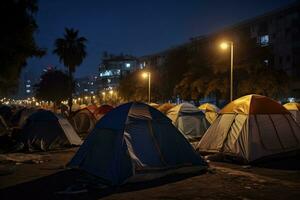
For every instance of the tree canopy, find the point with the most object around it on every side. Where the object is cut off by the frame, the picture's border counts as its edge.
(53, 87)
(18, 26)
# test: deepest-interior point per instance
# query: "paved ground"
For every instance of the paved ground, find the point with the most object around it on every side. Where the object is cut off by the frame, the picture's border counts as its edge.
(43, 176)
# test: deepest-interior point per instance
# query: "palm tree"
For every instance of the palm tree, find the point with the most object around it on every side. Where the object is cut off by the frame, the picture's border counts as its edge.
(71, 50)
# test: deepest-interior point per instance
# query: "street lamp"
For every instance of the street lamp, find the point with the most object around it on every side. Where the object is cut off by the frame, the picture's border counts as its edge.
(148, 75)
(224, 46)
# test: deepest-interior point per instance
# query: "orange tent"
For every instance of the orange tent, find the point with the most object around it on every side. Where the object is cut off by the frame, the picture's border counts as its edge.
(102, 110)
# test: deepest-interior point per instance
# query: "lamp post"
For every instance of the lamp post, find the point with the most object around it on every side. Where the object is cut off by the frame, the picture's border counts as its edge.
(224, 46)
(148, 75)
(103, 94)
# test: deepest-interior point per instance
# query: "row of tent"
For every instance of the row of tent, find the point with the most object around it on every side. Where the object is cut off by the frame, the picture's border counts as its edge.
(39, 129)
(136, 142)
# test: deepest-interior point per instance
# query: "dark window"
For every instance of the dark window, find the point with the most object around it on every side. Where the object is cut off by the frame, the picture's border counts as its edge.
(280, 60)
(288, 59)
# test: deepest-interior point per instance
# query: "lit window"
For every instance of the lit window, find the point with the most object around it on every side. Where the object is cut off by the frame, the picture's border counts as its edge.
(85, 90)
(264, 40)
(141, 66)
(92, 83)
(106, 73)
(127, 65)
(266, 62)
(108, 80)
(27, 86)
(28, 91)
(92, 92)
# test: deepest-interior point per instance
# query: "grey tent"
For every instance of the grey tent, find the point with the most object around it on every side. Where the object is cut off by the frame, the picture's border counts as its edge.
(83, 122)
(135, 142)
(189, 120)
(44, 130)
(252, 128)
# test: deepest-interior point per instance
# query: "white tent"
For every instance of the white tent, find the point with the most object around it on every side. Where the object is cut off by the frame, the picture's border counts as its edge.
(189, 120)
(250, 128)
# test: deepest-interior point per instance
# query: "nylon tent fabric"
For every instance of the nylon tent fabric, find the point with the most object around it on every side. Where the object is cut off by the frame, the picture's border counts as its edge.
(3, 127)
(294, 109)
(254, 104)
(165, 107)
(20, 117)
(83, 122)
(154, 105)
(135, 142)
(92, 108)
(292, 106)
(252, 137)
(45, 131)
(189, 120)
(102, 110)
(6, 113)
(211, 111)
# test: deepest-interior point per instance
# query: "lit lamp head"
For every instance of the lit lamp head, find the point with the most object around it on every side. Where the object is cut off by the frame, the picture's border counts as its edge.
(111, 92)
(145, 74)
(224, 45)
(103, 93)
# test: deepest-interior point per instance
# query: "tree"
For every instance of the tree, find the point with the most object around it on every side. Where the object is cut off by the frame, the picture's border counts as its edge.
(71, 50)
(175, 65)
(53, 87)
(133, 88)
(17, 41)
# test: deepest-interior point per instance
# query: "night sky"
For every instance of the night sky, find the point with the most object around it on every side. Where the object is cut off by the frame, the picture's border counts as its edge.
(136, 27)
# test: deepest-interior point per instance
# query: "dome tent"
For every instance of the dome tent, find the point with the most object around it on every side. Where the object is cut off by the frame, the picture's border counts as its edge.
(135, 142)
(44, 130)
(211, 111)
(83, 121)
(154, 105)
(189, 120)
(165, 107)
(6, 113)
(251, 128)
(20, 117)
(294, 109)
(102, 110)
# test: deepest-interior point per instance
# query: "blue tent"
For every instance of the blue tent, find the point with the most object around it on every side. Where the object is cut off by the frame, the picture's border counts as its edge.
(135, 142)
(45, 130)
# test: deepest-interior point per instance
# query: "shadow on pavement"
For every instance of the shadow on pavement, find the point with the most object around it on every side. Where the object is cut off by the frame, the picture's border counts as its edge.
(290, 163)
(48, 186)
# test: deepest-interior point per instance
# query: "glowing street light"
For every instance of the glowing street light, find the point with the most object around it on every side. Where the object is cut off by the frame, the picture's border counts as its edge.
(148, 75)
(225, 46)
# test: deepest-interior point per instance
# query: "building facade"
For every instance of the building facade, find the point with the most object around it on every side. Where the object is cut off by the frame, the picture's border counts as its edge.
(278, 30)
(113, 68)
